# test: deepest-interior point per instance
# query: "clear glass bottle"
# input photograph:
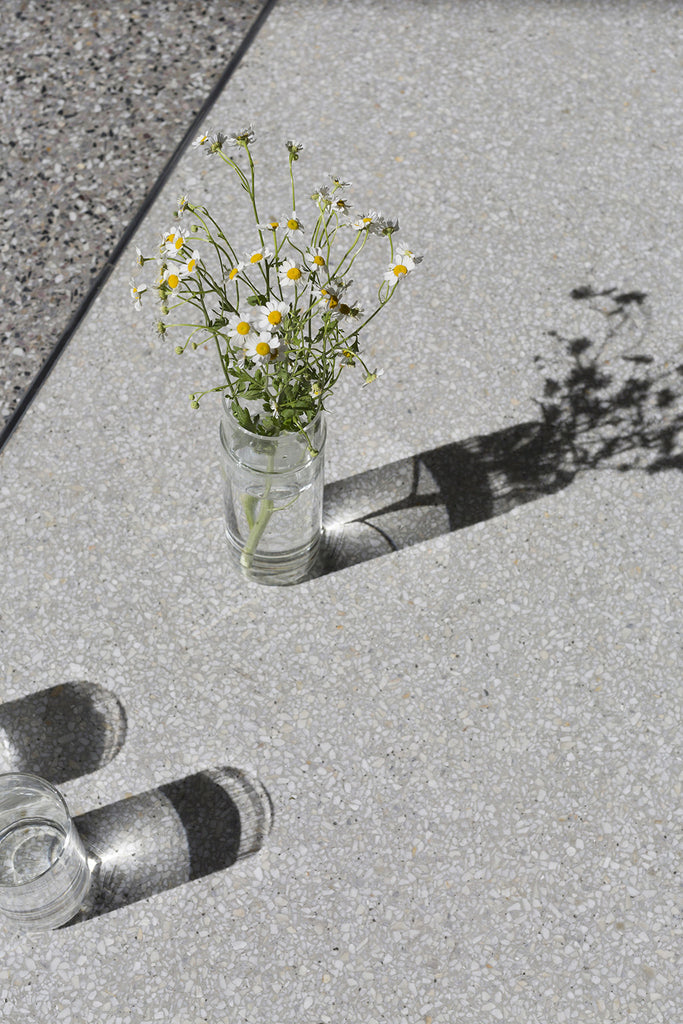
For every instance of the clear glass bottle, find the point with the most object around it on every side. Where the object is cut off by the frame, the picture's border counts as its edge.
(273, 499)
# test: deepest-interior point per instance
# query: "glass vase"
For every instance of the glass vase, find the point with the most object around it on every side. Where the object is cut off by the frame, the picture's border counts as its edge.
(273, 499)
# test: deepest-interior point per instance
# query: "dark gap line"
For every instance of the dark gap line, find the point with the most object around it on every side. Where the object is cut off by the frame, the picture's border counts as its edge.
(103, 276)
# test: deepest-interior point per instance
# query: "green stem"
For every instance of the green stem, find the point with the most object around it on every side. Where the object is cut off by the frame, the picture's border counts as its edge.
(258, 524)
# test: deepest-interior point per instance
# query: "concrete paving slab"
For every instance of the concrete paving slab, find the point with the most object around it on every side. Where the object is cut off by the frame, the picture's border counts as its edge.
(471, 743)
(96, 100)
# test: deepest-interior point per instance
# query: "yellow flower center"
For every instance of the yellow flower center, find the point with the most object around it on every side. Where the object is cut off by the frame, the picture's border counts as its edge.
(191, 265)
(319, 261)
(292, 224)
(263, 348)
(367, 220)
(243, 327)
(333, 301)
(293, 273)
(274, 317)
(399, 269)
(233, 273)
(256, 258)
(173, 280)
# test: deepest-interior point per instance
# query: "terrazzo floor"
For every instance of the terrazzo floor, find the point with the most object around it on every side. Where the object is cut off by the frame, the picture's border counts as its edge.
(446, 775)
(97, 98)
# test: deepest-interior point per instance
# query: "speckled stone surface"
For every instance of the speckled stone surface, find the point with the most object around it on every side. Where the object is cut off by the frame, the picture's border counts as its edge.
(472, 745)
(96, 98)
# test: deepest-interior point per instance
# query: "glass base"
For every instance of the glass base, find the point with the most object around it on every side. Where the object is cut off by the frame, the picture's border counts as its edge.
(279, 569)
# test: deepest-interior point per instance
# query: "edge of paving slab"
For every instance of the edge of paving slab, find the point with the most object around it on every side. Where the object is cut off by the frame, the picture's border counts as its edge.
(142, 211)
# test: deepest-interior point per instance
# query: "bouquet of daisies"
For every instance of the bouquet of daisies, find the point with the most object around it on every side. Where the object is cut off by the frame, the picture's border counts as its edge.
(281, 314)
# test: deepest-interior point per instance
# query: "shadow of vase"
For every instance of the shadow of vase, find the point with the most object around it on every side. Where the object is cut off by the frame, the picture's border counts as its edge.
(438, 491)
(62, 732)
(605, 404)
(184, 830)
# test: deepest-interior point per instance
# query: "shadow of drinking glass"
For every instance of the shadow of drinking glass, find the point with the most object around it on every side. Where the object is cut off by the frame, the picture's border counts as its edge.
(184, 830)
(605, 404)
(63, 732)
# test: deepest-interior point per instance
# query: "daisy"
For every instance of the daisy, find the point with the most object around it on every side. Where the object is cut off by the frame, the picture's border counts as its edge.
(234, 272)
(331, 293)
(365, 221)
(191, 265)
(371, 377)
(262, 349)
(243, 138)
(398, 269)
(343, 309)
(290, 273)
(240, 327)
(270, 316)
(339, 204)
(172, 278)
(173, 242)
(294, 148)
(315, 259)
(136, 293)
(402, 250)
(322, 196)
(270, 225)
(210, 142)
(338, 183)
(292, 223)
(384, 226)
(257, 256)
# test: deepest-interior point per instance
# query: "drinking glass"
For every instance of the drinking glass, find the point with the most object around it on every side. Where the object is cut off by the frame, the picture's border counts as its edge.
(44, 869)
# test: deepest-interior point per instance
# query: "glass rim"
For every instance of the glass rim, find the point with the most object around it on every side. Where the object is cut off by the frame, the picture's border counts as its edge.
(32, 777)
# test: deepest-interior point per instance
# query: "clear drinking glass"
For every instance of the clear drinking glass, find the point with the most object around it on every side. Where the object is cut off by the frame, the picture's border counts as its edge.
(273, 498)
(44, 870)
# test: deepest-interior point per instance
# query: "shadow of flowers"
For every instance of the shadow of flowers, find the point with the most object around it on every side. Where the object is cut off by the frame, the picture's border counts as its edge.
(606, 403)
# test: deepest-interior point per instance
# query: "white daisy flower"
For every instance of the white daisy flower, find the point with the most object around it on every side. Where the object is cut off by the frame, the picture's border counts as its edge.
(234, 272)
(402, 250)
(365, 221)
(398, 269)
(294, 148)
(172, 277)
(263, 349)
(338, 183)
(331, 293)
(339, 204)
(210, 142)
(136, 293)
(240, 326)
(315, 258)
(371, 377)
(270, 225)
(290, 273)
(270, 316)
(292, 222)
(257, 256)
(343, 310)
(173, 242)
(190, 266)
(243, 138)
(322, 196)
(384, 226)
